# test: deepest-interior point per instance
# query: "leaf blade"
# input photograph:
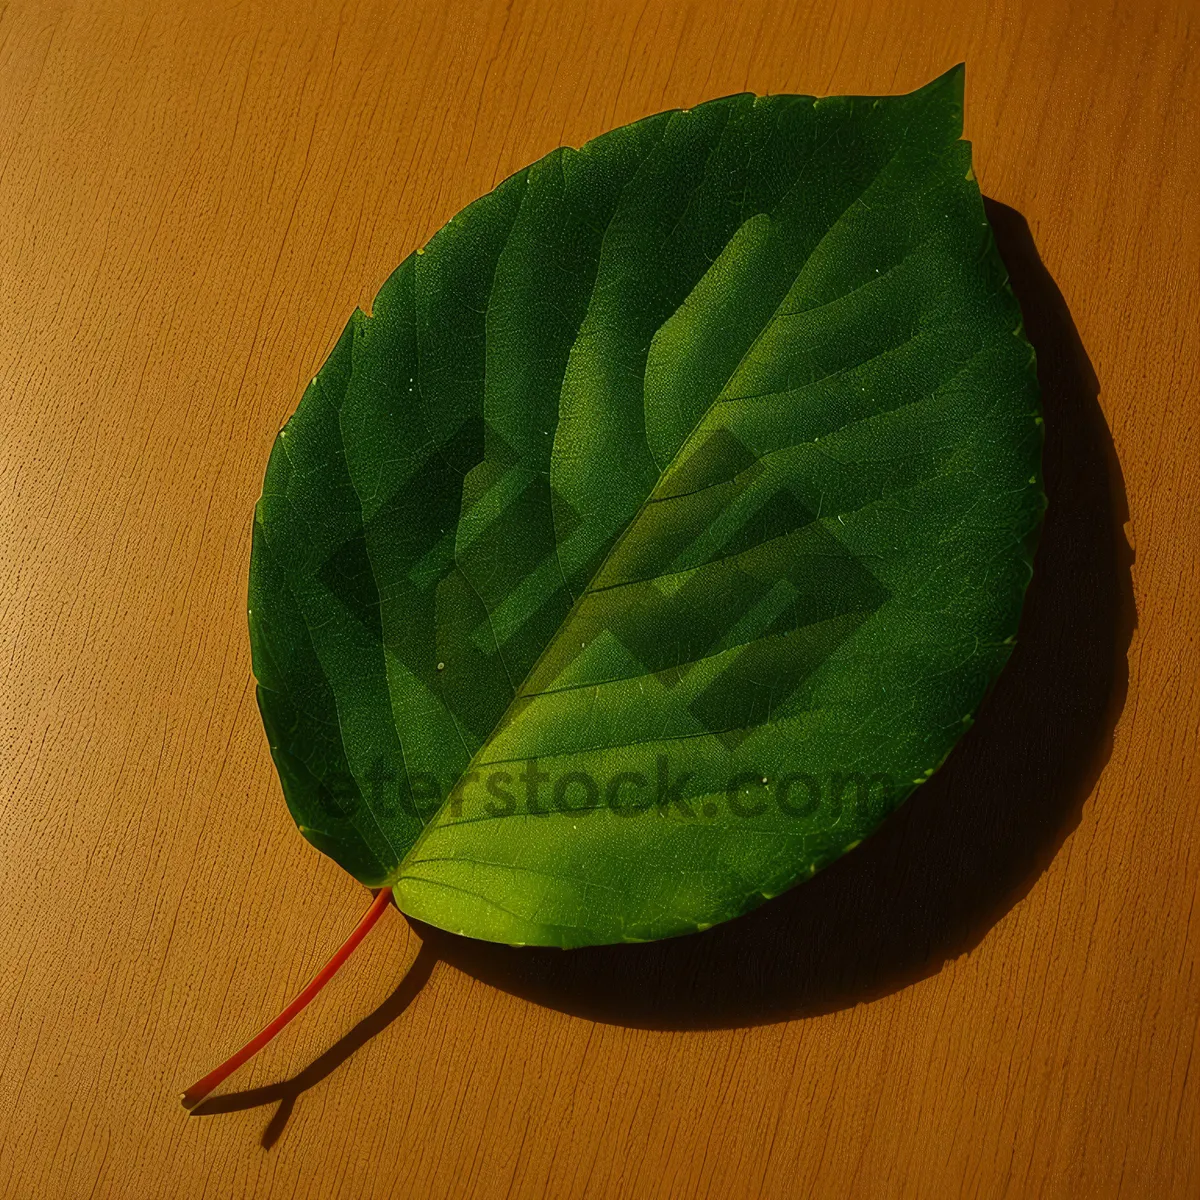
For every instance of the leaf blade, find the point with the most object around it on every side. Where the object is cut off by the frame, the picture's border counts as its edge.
(722, 408)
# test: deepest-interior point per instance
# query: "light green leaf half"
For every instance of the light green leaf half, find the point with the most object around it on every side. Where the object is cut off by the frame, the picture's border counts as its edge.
(661, 529)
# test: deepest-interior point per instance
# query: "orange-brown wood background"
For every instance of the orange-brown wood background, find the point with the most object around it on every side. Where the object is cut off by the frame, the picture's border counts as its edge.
(996, 996)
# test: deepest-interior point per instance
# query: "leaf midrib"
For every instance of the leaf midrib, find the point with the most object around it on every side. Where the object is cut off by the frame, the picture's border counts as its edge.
(636, 517)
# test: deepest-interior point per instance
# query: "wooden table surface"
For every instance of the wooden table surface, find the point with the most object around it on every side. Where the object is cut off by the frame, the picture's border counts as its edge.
(997, 995)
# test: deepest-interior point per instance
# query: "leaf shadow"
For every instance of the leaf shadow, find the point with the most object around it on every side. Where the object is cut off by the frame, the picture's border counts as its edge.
(970, 843)
(287, 1092)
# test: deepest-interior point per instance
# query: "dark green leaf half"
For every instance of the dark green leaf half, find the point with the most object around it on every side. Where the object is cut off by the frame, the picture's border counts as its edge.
(661, 529)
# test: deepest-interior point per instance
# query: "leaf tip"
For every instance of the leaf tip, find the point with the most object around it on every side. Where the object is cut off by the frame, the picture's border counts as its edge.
(948, 90)
(955, 77)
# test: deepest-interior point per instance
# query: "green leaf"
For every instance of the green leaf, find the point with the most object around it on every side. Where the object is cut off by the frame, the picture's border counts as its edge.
(661, 529)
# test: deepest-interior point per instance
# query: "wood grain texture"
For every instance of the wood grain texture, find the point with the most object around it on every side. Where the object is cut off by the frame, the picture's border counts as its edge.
(996, 996)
